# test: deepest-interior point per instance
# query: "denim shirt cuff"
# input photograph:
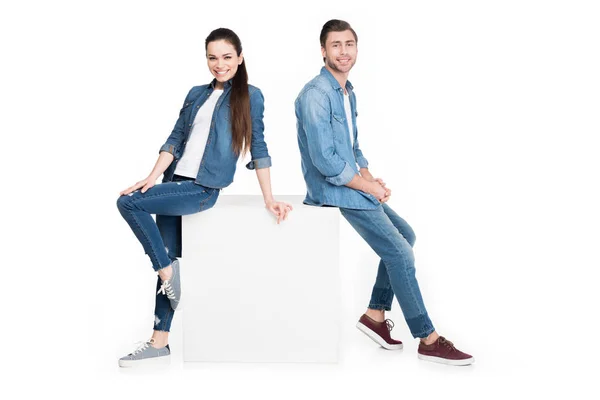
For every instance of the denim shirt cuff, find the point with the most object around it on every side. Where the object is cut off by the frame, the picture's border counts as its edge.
(362, 162)
(169, 148)
(259, 163)
(343, 177)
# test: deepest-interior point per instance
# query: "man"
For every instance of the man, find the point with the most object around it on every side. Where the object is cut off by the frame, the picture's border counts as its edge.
(336, 174)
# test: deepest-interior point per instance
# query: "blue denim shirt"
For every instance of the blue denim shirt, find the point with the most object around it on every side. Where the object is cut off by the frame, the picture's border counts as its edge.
(219, 161)
(329, 160)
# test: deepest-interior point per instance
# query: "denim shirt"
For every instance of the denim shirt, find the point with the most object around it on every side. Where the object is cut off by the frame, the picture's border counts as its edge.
(219, 161)
(329, 160)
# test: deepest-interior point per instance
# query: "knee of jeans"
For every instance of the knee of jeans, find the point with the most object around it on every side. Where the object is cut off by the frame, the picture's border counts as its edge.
(401, 257)
(124, 203)
(410, 237)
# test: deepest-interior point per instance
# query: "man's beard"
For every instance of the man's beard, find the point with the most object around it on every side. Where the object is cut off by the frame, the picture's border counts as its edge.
(335, 67)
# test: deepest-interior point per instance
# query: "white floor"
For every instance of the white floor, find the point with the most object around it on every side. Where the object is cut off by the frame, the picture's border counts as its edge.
(364, 371)
(531, 331)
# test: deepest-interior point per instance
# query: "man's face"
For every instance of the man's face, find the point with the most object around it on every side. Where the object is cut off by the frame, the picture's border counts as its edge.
(340, 51)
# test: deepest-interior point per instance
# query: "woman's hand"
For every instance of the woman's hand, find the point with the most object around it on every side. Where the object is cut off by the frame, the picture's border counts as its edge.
(281, 209)
(145, 184)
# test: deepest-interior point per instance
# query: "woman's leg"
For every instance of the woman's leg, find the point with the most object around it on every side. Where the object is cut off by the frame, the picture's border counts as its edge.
(171, 199)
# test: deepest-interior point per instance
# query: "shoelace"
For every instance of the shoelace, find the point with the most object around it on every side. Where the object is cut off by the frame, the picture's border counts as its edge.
(142, 346)
(390, 324)
(447, 343)
(166, 289)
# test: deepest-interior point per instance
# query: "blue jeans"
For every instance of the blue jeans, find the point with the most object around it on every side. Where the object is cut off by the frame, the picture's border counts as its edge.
(392, 239)
(161, 240)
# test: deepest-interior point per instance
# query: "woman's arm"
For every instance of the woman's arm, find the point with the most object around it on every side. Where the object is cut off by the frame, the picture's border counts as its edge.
(279, 208)
(164, 160)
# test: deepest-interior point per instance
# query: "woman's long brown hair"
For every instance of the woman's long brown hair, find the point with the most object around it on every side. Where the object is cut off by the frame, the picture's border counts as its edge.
(241, 122)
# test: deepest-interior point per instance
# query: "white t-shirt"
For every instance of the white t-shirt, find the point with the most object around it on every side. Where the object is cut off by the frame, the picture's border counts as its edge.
(189, 163)
(349, 117)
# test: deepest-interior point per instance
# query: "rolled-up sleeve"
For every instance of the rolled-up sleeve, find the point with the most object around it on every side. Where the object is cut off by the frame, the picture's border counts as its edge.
(175, 139)
(316, 122)
(258, 147)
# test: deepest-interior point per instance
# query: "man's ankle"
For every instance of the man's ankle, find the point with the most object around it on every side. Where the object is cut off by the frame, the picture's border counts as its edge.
(433, 336)
(376, 315)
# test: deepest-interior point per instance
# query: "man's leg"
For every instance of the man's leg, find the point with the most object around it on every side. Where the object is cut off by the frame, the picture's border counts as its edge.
(376, 227)
(383, 294)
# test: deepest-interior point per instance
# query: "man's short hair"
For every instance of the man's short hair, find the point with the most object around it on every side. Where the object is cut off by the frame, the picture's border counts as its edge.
(335, 25)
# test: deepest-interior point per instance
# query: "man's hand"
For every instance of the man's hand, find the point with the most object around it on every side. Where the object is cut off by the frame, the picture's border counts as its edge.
(375, 189)
(388, 194)
(376, 192)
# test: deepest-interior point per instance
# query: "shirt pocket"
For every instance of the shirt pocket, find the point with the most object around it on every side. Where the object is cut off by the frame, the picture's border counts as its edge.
(185, 108)
(339, 126)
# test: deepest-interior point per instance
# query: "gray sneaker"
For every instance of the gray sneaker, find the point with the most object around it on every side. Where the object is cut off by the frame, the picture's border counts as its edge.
(172, 287)
(145, 354)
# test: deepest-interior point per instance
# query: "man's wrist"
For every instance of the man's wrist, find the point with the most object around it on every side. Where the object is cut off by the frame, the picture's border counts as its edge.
(366, 186)
(364, 172)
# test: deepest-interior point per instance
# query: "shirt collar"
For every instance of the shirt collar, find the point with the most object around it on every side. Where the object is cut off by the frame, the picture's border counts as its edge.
(226, 85)
(334, 83)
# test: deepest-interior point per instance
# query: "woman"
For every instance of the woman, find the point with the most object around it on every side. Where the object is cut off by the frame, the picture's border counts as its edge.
(218, 123)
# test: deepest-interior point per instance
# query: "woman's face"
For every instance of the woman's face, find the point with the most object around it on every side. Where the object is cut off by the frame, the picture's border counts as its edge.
(222, 60)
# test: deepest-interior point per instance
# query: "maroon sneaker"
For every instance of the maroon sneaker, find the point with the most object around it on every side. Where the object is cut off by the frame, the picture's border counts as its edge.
(379, 332)
(443, 351)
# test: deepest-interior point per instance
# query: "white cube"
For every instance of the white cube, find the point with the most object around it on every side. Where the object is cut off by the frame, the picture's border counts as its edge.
(255, 291)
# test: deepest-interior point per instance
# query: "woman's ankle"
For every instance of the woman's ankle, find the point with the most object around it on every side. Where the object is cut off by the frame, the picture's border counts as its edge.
(165, 273)
(161, 339)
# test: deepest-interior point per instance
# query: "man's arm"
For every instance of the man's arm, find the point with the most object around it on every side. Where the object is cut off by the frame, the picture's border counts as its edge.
(315, 117)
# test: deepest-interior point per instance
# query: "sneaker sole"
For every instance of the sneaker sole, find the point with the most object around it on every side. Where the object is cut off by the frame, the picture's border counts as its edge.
(440, 360)
(376, 338)
(162, 360)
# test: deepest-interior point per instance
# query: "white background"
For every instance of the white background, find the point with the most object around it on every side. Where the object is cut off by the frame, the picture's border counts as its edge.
(481, 116)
